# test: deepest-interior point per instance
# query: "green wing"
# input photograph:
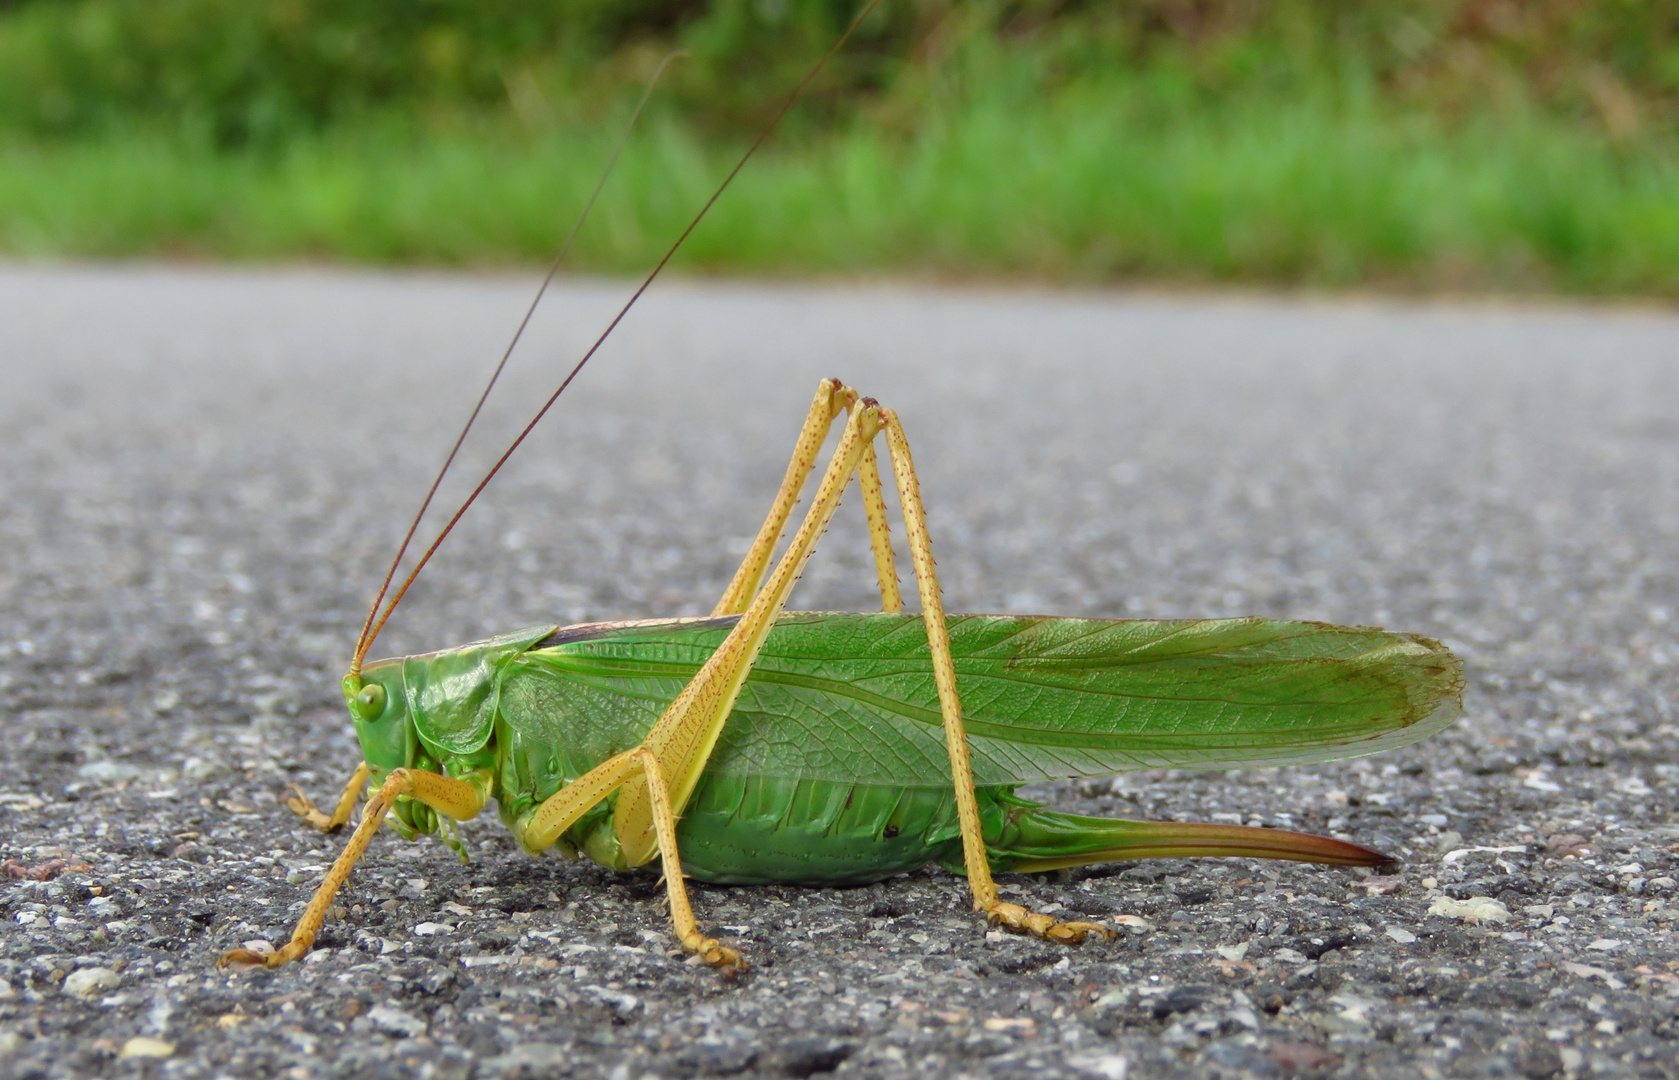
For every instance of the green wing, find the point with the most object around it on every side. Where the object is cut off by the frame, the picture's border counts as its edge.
(850, 697)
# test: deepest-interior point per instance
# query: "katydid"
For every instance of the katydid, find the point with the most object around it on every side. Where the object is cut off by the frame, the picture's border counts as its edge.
(759, 745)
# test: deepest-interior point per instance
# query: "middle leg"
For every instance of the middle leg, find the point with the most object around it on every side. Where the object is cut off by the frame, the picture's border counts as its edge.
(565, 809)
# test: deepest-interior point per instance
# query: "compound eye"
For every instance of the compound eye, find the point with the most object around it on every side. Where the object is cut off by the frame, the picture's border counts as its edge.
(371, 701)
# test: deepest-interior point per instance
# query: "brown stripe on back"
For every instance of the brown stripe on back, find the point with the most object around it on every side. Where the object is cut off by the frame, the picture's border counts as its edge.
(593, 631)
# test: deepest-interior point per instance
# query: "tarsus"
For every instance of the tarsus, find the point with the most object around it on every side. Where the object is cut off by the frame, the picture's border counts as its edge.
(376, 619)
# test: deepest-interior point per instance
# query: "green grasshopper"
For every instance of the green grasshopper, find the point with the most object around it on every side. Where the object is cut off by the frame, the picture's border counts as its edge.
(759, 745)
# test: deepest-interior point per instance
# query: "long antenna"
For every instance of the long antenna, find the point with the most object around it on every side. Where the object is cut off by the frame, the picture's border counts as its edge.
(553, 268)
(376, 623)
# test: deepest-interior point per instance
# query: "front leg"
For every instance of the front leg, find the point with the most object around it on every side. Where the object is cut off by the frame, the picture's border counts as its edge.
(300, 804)
(460, 799)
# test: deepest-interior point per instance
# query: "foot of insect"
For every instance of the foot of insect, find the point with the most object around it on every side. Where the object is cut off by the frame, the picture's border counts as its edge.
(301, 805)
(658, 776)
(707, 950)
(1019, 919)
(641, 765)
(713, 952)
(458, 799)
(687, 928)
(1012, 916)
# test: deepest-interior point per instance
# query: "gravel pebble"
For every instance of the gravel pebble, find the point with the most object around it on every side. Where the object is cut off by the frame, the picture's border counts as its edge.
(91, 981)
(205, 472)
(142, 1047)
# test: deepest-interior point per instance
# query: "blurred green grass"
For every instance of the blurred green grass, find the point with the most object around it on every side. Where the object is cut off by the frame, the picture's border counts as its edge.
(1086, 150)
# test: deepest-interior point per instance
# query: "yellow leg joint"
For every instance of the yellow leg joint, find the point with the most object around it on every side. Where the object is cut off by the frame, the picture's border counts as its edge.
(457, 798)
(565, 807)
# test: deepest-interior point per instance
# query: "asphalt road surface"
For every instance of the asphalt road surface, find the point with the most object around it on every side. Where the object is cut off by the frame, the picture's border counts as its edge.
(202, 473)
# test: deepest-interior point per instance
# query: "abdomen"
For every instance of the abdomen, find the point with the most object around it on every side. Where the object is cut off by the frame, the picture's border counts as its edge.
(762, 830)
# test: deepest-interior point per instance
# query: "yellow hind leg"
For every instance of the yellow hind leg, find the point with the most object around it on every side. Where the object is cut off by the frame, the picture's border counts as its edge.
(833, 399)
(974, 858)
(655, 779)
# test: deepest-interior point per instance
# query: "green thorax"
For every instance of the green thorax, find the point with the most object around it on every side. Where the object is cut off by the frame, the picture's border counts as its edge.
(437, 706)
(434, 711)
